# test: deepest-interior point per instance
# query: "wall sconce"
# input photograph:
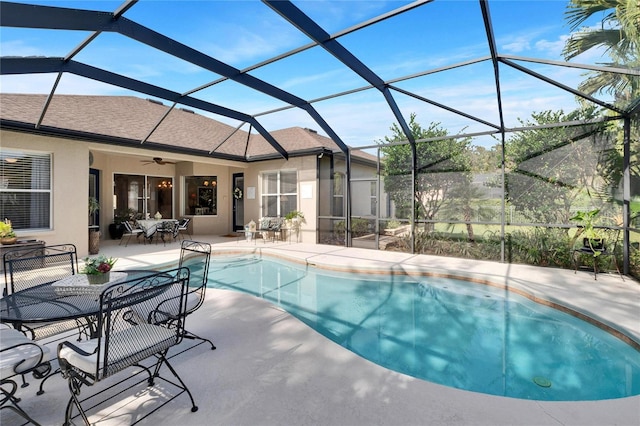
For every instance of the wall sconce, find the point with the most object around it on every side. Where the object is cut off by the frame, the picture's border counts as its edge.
(205, 183)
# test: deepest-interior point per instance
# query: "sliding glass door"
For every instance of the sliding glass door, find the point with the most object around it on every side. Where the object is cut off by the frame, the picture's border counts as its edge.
(140, 194)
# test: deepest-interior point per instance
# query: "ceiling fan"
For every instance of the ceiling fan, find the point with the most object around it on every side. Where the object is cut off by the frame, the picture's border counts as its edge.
(157, 160)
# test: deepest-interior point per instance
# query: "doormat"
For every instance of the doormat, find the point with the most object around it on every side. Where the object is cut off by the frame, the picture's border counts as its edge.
(230, 236)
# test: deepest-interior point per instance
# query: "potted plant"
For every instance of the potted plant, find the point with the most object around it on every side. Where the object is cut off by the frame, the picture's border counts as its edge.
(7, 235)
(592, 237)
(94, 231)
(94, 206)
(116, 229)
(98, 269)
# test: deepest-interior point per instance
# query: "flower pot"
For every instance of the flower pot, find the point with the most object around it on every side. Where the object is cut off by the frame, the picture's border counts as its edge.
(8, 240)
(94, 241)
(116, 231)
(98, 278)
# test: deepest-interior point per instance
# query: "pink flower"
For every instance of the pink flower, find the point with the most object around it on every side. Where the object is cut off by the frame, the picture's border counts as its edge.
(104, 267)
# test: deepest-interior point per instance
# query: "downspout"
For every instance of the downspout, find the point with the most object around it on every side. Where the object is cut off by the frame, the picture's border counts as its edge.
(348, 195)
(414, 185)
(626, 194)
(378, 196)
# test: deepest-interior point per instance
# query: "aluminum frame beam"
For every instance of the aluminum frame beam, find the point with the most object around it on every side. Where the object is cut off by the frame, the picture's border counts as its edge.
(48, 17)
(59, 65)
(306, 25)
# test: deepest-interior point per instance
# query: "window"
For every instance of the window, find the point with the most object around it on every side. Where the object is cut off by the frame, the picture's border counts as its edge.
(279, 193)
(201, 195)
(338, 194)
(25, 189)
(374, 198)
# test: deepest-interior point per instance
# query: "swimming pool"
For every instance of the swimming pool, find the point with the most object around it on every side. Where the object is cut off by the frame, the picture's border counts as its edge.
(446, 331)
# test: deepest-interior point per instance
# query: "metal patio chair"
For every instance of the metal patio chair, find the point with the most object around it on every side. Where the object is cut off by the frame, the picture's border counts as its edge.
(19, 356)
(168, 231)
(183, 226)
(130, 231)
(26, 268)
(596, 251)
(135, 323)
(195, 256)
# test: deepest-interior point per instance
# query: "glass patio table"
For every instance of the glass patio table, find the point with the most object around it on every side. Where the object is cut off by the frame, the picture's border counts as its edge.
(52, 302)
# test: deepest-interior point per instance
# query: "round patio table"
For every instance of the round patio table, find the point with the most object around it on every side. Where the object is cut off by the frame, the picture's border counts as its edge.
(51, 303)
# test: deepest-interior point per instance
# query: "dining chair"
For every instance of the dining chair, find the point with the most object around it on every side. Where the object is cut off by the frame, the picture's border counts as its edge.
(168, 230)
(195, 256)
(130, 231)
(29, 267)
(19, 356)
(133, 325)
(26, 268)
(183, 226)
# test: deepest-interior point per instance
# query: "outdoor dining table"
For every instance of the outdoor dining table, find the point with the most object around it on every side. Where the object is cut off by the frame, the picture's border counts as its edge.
(62, 300)
(150, 226)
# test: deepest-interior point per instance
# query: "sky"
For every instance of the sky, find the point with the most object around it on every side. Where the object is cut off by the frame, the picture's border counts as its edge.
(241, 34)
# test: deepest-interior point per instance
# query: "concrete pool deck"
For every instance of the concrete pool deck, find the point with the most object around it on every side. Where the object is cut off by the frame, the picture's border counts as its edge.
(271, 369)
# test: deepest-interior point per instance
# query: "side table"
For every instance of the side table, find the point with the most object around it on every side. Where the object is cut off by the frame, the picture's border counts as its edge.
(242, 232)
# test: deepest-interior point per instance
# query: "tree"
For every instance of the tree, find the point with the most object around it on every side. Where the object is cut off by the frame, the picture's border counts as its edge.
(441, 166)
(619, 34)
(548, 169)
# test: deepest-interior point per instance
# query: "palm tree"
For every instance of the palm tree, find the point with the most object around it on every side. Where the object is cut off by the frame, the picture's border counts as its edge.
(619, 34)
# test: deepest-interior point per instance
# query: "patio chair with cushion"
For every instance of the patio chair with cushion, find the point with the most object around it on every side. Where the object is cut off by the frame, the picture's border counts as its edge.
(130, 231)
(183, 226)
(26, 268)
(270, 228)
(19, 356)
(135, 323)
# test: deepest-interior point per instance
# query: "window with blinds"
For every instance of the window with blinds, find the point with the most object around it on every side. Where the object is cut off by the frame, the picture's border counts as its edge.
(25, 189)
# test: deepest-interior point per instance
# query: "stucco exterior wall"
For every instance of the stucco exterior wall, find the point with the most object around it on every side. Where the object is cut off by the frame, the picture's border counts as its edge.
(70, 186)
(307, 184)
(70, 168)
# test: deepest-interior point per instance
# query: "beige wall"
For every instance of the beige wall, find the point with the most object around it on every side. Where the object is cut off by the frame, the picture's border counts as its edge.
(306, 167)
(71, 176)
(70, 164)
(206, 225)
(110, 164)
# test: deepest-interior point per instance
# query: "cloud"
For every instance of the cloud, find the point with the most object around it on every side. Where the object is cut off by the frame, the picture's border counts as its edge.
(519, 45)
(19, 48)
(552, 48)
(69, 85)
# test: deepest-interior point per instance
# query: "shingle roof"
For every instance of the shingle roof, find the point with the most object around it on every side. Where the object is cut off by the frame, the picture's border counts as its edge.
(129, 120)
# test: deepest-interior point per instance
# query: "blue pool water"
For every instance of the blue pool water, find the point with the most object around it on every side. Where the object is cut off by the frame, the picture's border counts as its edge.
(452, 332)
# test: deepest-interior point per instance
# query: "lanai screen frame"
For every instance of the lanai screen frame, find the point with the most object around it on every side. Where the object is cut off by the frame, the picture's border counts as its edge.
(46, 17)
